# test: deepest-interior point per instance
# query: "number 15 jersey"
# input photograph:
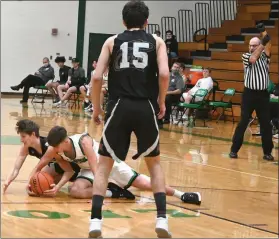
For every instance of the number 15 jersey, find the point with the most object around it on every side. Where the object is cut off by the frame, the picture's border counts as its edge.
(133, 69)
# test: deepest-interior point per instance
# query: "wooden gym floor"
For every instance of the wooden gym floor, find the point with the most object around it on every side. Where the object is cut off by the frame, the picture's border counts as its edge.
(239, 196)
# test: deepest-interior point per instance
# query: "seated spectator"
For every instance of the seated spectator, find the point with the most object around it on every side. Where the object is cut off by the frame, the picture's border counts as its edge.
(63, 77)
(85, 90)
(40, 78)
(158, 33)
(176, 86)
(172, 44)
(76, 78)
(204, 83)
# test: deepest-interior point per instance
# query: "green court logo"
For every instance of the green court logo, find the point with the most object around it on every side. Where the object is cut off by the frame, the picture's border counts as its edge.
(37, 214)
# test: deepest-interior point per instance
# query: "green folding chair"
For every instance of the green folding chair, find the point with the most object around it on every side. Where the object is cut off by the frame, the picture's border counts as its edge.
(225, 104)
(41, 93)
(193, 106)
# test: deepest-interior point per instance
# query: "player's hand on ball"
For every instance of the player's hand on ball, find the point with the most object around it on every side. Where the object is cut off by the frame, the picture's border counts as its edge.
(261, 27)
(51, 192)
(162, 111)
(29, 191)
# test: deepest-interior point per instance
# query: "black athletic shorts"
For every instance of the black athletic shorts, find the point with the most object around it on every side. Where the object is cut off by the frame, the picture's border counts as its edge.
(59, 170)
(124, 117)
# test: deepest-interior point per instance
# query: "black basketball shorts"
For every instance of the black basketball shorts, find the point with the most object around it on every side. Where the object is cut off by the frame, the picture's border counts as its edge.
(124, 117)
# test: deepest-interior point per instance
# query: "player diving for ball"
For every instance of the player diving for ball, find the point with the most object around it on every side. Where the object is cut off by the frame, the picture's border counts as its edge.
(71, 149)
(36, 145)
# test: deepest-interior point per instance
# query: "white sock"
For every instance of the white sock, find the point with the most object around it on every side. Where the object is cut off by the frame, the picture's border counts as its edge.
(177, 194)
(86, 100)
(108, 194)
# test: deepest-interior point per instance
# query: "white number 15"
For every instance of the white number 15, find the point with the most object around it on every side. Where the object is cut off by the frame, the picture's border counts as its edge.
(136, 53)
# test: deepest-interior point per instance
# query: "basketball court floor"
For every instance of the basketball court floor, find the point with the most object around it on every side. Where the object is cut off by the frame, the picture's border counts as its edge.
(239, 196)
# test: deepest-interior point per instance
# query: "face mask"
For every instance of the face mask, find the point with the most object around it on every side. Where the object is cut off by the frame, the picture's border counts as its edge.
(45, 64)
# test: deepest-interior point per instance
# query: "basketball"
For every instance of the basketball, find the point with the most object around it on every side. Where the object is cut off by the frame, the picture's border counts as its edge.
(41, 182)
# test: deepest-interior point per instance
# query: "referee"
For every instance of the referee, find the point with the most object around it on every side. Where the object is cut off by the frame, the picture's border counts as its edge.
(255, 95)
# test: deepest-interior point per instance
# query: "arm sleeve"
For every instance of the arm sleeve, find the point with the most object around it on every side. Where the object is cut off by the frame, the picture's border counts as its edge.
(70, 72)
(180, 84)
(82, 73)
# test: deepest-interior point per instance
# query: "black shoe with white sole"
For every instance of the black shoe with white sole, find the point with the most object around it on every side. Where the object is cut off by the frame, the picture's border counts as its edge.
(118, 192)
(192, 198)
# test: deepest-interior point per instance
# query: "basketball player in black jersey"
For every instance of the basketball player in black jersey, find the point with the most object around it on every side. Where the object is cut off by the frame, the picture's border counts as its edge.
(138, 78)
(35, 145)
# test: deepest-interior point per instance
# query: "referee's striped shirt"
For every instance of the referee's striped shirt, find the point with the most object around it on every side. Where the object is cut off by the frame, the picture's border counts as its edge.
(256, 76)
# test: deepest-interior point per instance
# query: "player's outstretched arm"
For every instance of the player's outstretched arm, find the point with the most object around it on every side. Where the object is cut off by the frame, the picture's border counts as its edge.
(45, 160)
(68, 173)
(87, 147)
(17, 166)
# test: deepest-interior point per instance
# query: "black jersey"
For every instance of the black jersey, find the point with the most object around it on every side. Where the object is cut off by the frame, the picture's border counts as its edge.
(35, 153)
(133, 69)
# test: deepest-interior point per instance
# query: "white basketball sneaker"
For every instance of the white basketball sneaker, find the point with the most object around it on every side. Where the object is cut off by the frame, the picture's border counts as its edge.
(162, 228)
(95, 228)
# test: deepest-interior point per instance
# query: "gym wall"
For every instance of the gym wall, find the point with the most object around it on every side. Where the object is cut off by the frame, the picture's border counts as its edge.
(26, 36)
(26, 31)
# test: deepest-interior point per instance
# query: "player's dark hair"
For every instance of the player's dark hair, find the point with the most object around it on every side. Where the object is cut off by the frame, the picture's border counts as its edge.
(135, 13)
(56, 136)
(28, 127)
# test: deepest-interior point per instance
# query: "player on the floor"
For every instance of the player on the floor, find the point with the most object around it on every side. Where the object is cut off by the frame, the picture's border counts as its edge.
(74, 149)
(122, 174)
(35, 145)
(137, 84)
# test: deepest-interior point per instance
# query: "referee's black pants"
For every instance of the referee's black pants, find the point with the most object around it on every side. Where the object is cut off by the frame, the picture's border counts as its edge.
(254, 100)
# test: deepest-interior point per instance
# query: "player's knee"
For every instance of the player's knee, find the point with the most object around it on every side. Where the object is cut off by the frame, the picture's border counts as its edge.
(75, 191)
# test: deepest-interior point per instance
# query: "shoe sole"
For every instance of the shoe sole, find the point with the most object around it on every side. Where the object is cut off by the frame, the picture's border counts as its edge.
(162, 233)
(95, 234)
(199, 196)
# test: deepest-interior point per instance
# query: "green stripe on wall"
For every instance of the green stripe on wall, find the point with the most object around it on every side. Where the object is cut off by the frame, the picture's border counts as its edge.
(80, 30)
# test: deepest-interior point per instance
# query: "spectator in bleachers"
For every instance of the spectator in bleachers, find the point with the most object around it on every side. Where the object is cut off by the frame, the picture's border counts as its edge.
(40, 78)
(158, 33)
(204, 83)
(176, 86)
(76, 78)
(172, 44)
(63, 77)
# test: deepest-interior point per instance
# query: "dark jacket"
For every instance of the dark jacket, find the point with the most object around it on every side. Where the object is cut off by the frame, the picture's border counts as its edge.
(46, 73)
(172, 45)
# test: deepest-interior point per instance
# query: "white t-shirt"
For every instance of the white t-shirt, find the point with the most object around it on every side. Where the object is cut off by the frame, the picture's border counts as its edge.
(203, 83)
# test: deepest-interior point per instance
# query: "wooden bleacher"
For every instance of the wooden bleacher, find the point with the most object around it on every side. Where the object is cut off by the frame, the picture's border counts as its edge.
(226, 64)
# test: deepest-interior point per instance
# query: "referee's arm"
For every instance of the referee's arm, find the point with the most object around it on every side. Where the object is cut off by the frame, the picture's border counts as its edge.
(267, 49)
(255, 55)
